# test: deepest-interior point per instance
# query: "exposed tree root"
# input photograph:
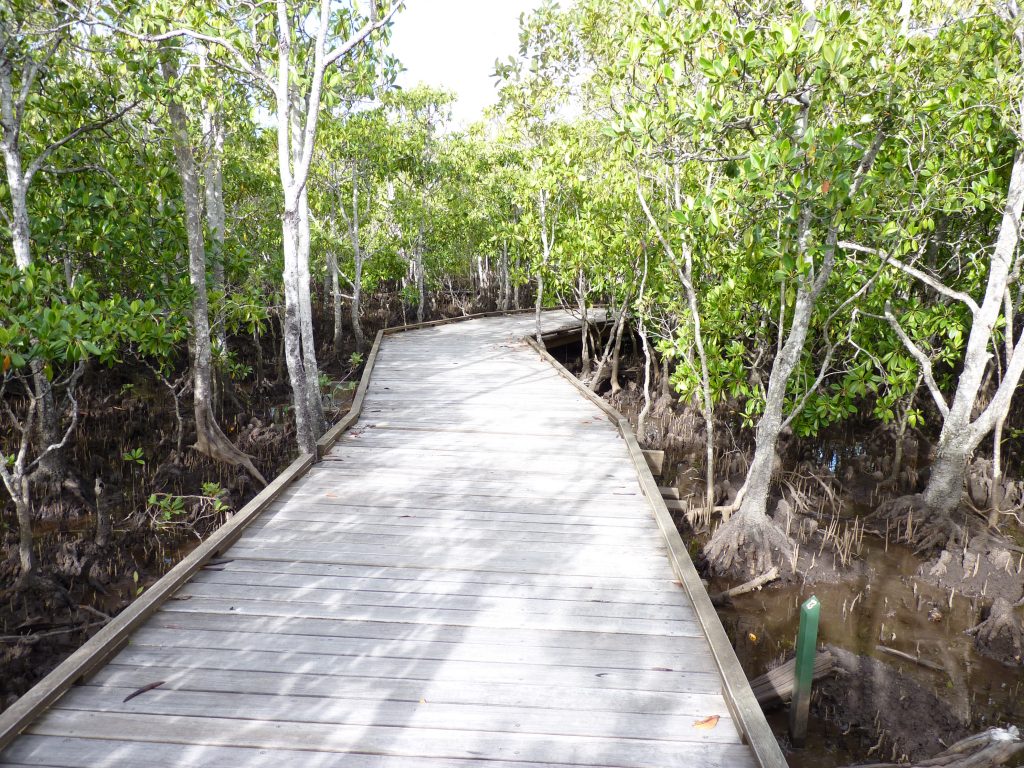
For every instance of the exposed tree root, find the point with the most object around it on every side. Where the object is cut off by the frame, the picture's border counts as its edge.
(994, 747)
(749, 544)
(211, 441)
(917, 525)
(45, 587)
(1000, 636)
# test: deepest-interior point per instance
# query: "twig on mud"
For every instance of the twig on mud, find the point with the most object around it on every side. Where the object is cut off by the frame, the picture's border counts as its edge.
(756, 583)
(94, 612)
(50, 633)
(910, 657)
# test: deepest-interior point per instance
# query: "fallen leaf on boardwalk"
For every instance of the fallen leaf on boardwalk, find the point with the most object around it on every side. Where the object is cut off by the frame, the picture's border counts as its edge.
(708, 722)
(330, 495)
(142, 690)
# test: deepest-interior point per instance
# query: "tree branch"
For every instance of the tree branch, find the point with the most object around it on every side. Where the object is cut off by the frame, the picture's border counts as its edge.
(367, 30)
(72, 383)
(924, 277)
(922, 360)
(37, 163)
(253, 71)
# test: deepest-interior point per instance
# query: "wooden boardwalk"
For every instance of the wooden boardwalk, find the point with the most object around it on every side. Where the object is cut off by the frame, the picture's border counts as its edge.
(471, 577)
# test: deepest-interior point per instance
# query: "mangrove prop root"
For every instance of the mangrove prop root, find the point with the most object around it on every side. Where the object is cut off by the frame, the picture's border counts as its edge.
(993, 747)
(1000, 636)
(748, 545)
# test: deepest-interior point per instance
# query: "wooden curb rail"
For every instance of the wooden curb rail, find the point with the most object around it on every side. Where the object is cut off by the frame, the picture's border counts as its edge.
(736, 689)
(113, 637)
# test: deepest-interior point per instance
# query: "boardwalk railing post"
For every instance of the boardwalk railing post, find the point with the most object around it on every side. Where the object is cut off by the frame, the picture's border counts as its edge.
(806, 650)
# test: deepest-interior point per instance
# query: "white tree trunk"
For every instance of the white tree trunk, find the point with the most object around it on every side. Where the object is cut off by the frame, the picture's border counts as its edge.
(545, 244)
(503, 301)
(960, 436)
(333, 289)
(17, 183)
(421, 291)
(306, 432)
(210, 440)
(213, 130)
(358, 257)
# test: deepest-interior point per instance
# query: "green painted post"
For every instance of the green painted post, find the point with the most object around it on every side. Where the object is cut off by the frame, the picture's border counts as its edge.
(806, 650)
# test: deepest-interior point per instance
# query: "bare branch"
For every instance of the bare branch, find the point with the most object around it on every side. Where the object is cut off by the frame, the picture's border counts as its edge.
(922, 360)
(368, 29)
(924, 277)
(82, 169)
(863, 169)
(253, 71)
(38, 162)
(72, 383)
(823, 369)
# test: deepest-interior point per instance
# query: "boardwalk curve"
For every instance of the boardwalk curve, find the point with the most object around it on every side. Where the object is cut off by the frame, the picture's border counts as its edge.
(472, 576)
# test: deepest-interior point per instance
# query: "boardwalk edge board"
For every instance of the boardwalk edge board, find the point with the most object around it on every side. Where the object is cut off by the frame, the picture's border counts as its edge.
(738, 695)
(112, 637)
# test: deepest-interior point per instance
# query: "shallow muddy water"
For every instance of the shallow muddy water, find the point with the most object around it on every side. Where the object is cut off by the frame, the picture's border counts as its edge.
(881, 603)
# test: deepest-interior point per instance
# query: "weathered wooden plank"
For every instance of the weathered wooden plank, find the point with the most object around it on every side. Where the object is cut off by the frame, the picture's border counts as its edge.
(581, 564)
(395, 571)
(690, 654)
(453, 744)
(526, 695)
(488, 715)
(495, 459)
(497, 530)
(655, 595)
(68, 752)
(478, 441)
(596, 506)
(430, 538)
(341, 479)
(495, 617)
(655, 461)
(665, 646)
(413, 530)
(668, 681)
(535, 557)
(328, 597)
(322, 510)
(482, 471)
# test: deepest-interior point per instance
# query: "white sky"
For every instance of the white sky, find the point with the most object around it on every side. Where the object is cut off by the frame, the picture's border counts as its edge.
(453, 43)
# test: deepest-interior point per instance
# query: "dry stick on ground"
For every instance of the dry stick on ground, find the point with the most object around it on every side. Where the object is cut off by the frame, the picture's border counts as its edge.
(996, 746)
(723, 597)
(910, 657)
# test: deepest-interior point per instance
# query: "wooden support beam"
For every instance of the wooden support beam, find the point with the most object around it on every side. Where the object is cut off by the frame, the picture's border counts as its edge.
(655, 460)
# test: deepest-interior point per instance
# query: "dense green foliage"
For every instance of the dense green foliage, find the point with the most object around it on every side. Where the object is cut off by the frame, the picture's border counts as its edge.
(864, 144)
